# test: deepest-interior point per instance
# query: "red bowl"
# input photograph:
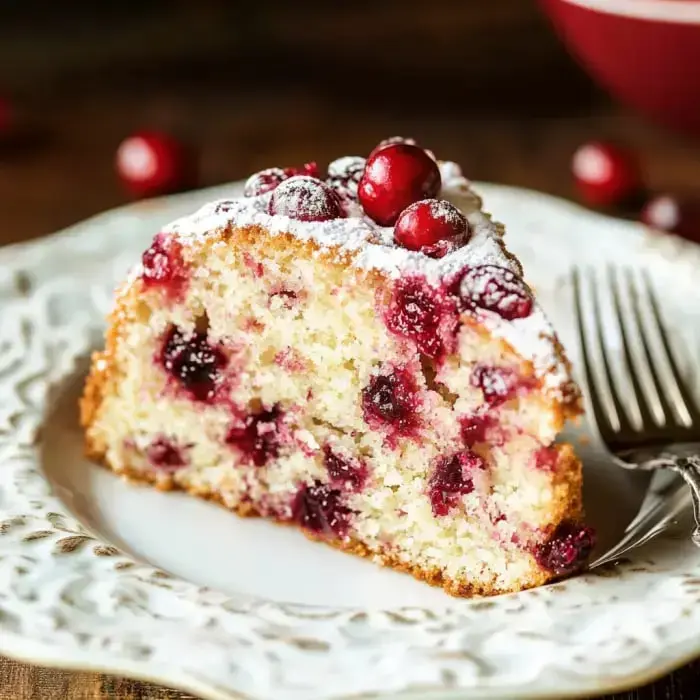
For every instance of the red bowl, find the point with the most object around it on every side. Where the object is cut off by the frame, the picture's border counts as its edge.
(645, 52)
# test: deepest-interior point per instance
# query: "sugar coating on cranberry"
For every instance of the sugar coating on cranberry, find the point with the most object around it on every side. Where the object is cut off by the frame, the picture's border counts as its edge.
(423, 314)
(305, 199)
(567, 550)
(496, 289)
(390, 401)
(452, 478)
(268, 179)
(433, 226)
(193, 362)
(163, 267)
(392, 140)
(320, 508)
(264, 181)
(164, 454)
(343, 470)
(344, 175)
(499, 384)
(395, 177)
(258, 436)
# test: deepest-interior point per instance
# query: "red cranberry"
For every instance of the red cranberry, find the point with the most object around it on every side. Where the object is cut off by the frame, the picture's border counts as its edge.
(164, 454)
(418, 312)
(390, 142)
(672, 214)
(435, 227)
(605, 174)
(258, 436)
(268, 179)
(320, 509)
(390, 400)
(163, 266)
(309, 169)
(151, 163)
(395, 177)
(496, 289)
(343, 470)
(288, 298)
(264, 181)
(255, 266)
(476, 428)
(499, 384)
(305, 199)
(546, 459)
(193, 362)
(452, 478)
(567, 550)
(290, 360)
(344, 176)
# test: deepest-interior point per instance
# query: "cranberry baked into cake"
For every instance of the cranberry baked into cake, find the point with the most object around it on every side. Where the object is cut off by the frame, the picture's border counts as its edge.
(355, 352)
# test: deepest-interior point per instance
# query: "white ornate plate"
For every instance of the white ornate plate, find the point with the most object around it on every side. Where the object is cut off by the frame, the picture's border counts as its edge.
(98, 574)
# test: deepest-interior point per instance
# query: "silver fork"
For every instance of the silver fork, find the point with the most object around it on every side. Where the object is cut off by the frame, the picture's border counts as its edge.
(655, 424)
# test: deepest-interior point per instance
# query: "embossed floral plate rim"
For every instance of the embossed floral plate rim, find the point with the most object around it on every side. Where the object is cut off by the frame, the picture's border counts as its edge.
(70, 600)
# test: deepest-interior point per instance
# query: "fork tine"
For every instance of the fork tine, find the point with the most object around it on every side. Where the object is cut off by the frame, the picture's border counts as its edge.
(680, 389)
(642, 404)
(600, 413)
(622, 417)
(666, 410)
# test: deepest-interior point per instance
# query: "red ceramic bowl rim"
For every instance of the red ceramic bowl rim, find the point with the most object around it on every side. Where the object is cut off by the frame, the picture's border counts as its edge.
(682, 11)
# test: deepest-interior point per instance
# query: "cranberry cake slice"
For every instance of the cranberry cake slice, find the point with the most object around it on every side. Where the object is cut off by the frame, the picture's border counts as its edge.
(354, 352)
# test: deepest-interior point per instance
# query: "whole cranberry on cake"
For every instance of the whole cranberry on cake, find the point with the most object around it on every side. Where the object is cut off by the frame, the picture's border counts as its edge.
(327, 352)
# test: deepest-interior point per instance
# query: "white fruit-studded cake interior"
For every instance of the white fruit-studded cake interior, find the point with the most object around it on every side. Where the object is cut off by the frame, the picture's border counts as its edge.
(397, 403)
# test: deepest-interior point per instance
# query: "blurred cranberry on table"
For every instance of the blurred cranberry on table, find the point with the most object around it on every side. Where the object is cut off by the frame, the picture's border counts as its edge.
(7, 119)
(151, 163)
(605, 174)
(666, 212)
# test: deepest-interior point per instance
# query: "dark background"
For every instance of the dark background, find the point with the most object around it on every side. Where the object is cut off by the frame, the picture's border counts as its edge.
(255, 84)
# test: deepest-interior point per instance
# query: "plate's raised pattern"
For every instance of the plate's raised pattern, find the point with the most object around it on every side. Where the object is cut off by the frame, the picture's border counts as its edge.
(68, 598)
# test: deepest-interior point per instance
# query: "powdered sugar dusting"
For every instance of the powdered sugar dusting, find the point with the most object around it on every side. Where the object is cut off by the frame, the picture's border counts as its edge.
(496, 289)
(440, 209)
(346, 173)
(305, 199)
(372, 247)
(264, 181)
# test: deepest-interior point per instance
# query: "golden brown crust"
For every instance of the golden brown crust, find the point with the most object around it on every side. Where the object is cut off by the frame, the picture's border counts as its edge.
(104, 370)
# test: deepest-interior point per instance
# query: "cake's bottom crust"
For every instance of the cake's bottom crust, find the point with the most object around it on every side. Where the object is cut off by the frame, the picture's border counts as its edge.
(433, 576)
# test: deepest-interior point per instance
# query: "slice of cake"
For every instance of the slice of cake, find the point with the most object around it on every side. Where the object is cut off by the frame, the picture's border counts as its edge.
(354, 352)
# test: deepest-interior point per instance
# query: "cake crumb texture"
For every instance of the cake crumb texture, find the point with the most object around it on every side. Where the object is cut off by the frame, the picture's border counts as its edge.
(349, 388)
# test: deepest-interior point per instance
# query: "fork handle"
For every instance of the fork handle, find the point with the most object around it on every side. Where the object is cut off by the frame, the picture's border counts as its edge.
(684, 460)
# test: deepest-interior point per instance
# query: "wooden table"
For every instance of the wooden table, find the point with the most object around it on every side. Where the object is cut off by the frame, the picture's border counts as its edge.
(63, 173)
